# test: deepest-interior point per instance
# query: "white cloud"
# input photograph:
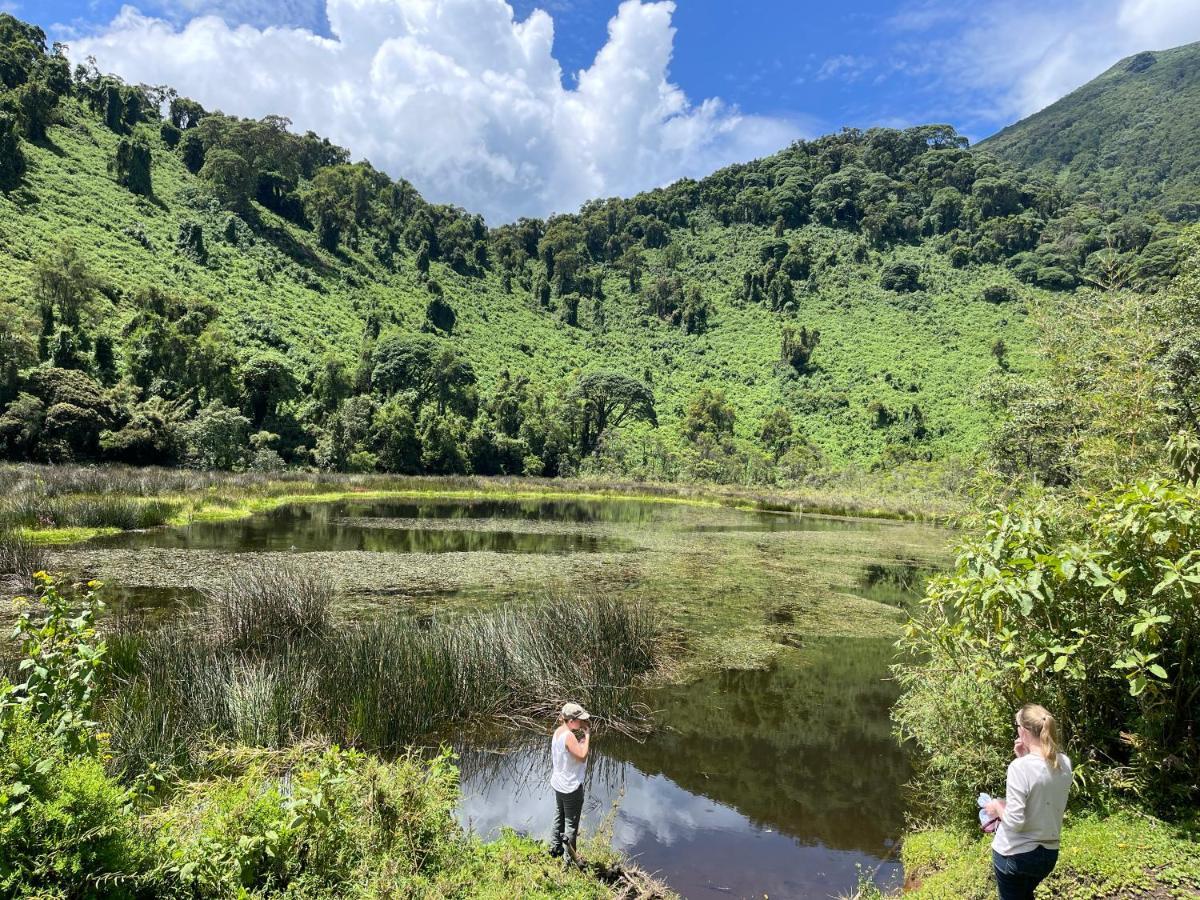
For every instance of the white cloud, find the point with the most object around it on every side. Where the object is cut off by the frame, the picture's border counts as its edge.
(844, 66)
(457, 96)
(1011, 58)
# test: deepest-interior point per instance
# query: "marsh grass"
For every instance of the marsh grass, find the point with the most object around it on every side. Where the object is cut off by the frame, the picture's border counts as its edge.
(19, 555)
(32, 510)
(39, 496)
(264, 664)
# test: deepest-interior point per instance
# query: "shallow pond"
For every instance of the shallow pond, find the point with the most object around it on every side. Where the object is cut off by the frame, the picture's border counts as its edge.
(368, 527)
(774, 772)
(780, 782)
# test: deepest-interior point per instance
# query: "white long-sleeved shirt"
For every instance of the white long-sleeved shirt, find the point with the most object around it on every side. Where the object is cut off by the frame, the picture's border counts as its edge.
(1035, 801)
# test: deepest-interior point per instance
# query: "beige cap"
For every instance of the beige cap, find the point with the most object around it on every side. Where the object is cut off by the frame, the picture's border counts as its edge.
(575, 711)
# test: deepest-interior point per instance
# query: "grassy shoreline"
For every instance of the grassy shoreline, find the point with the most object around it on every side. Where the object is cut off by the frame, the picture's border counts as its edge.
(212, 496)
(1123, 854)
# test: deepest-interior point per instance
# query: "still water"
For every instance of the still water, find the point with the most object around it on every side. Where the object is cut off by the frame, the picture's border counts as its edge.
(374, 527)
(784, 781)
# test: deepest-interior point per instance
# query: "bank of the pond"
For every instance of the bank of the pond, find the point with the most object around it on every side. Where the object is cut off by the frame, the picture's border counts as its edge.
(65, 504)
(1103, 857)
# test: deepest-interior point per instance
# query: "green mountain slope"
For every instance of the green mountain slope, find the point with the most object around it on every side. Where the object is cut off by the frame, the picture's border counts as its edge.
(1132, 135)
(180, 286)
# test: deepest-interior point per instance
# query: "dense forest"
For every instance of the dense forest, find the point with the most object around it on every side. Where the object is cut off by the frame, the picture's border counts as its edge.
(1130, 137)
(185, 286)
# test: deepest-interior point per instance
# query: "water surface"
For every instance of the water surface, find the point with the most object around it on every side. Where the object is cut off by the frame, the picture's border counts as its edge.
(325, 526)
(783, 781)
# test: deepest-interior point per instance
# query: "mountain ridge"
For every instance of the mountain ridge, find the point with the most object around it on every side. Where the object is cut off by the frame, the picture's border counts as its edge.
(1132, 135)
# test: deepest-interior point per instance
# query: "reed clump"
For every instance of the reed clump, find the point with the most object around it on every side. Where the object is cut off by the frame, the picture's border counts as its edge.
(266, 664)
(19, 555)
(30, 509)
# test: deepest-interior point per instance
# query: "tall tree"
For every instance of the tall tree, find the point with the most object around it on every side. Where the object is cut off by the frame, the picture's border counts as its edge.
(605, 401)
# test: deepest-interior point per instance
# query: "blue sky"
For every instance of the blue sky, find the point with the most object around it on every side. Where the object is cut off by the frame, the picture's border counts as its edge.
(477, 105)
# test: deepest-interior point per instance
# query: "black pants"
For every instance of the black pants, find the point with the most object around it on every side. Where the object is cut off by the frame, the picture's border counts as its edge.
(568, 807)
(1017, 876)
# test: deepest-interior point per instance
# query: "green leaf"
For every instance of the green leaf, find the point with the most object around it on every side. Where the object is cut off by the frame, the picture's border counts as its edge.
(1060, 663)
(1158, 671)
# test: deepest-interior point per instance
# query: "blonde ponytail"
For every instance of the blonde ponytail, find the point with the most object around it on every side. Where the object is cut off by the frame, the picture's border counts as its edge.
(1037, 721)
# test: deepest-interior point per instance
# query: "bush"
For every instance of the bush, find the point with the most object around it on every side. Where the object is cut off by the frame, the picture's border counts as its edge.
(132, 165)
(900, 277)
(1000, 293)
(66, 828)
(1093, 613)
(12, 158)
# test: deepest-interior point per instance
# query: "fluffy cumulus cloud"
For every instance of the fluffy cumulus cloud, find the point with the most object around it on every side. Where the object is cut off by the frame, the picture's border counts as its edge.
(1013, 57)
(456, 95)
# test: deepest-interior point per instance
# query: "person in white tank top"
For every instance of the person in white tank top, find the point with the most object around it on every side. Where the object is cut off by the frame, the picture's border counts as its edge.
(568, 755)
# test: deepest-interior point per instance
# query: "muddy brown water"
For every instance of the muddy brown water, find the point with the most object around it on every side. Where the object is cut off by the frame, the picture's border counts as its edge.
(783, 781)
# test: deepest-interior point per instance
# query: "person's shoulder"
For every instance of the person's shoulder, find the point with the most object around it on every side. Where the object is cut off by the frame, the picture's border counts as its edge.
(1026, 766)
(1064, 763)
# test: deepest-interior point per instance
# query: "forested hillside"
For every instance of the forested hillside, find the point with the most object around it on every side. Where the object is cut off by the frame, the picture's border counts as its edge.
(180, 285)
(1131, 136)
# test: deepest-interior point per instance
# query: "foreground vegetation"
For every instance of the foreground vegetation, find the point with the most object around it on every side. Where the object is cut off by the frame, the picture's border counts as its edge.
(265, 665)
(1119, 854)
(90, 814)
(1078, 586)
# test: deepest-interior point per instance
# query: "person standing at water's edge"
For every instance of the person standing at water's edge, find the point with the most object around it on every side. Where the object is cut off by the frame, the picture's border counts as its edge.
(1025, 849)
(568, 753)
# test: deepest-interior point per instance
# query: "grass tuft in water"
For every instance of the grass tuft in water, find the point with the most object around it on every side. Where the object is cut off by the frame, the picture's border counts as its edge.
(263, 665)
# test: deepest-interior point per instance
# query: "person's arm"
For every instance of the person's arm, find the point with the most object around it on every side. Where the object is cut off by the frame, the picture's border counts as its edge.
(576, 747)
(1012, 812)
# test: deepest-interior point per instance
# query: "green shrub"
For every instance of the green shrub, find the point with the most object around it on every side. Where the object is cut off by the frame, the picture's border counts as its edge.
(60, 663)
(1092, 612)
(324, 824)
(66, 828)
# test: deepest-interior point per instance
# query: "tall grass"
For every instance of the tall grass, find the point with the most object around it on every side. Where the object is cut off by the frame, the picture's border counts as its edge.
(265, 665)
(31, 510)
(19, 555)
(908, 493)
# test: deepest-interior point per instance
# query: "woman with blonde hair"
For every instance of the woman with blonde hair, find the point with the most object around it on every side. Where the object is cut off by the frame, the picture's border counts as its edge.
(1025, 848)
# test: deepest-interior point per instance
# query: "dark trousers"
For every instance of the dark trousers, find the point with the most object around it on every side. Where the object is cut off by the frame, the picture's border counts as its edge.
(1019, 874)
(569, 807)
